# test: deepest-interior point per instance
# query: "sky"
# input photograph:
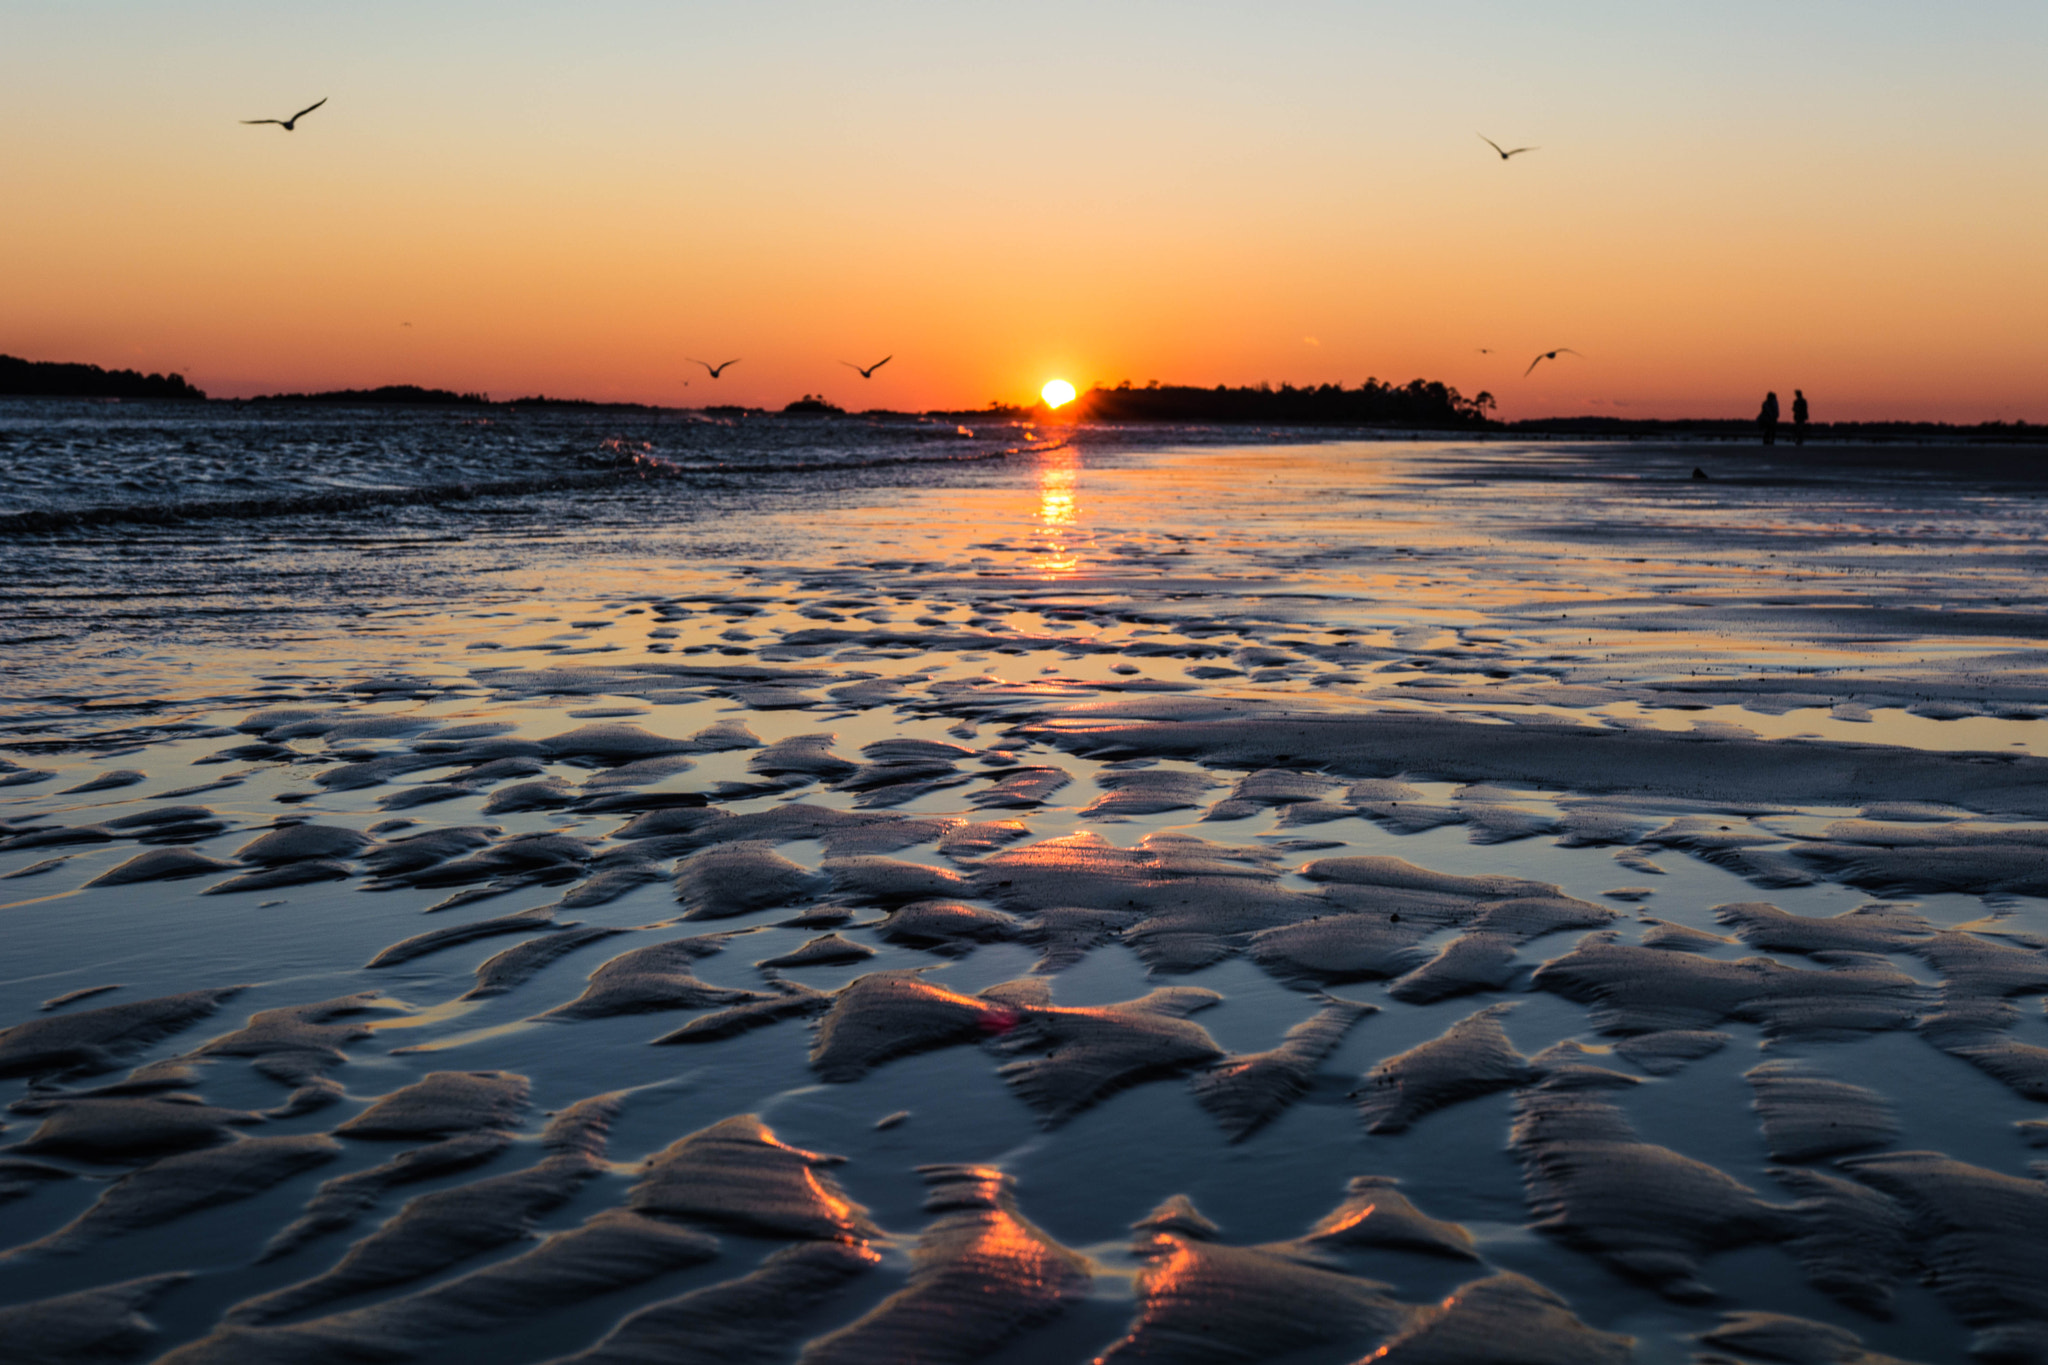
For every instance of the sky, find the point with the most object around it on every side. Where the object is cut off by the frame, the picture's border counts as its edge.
(1845, 197)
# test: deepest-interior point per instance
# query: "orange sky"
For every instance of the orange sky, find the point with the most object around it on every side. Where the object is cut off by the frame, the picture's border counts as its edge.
(1848, 199)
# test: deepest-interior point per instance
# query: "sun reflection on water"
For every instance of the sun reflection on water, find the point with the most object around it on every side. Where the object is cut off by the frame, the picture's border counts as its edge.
(1058, 511)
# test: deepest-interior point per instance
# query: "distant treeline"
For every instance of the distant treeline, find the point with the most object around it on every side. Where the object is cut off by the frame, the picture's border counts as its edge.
(50, 379)
(1418, 403)
(411, 394)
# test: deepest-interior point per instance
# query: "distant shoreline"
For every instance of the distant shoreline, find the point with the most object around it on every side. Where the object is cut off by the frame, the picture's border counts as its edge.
(1419, 406)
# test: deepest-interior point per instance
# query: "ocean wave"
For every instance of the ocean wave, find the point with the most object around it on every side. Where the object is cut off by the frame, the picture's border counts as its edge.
(617, 462)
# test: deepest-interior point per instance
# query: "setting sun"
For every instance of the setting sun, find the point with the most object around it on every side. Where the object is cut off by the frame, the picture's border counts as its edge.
(1057, 393)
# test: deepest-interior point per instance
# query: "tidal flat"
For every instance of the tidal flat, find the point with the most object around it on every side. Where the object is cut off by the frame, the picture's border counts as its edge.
(1421, 901)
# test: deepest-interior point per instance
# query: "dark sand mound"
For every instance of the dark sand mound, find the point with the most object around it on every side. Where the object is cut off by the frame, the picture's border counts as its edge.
(739, 878)
(1091, 1053)
(1980, 1238)
(1484, 957)
(1247, 1091)
(541, 920)
(1148, 791)
(827, 950)
(1775, 1337)
(1806, 1116)
(298, 1044)
(1504, 1319)
(972, 839)
(514, 967)
(737, 1174)
(609, 1251)
(1634, 989)
(1376, 1214)
(757, 1319)
(1270, 787)
(786, 1000)
(1065, 934)
(888, 882)
(416, 852)
(1875, 928)
(303, 843)
(613, 744)
(162, 865)
(891, 1014)
(1334, 948)
(125, 1127)
(1649, 1212)
(430, 1234)
(805, 756)
(947, 928)
(103, 1326)
(1201, 1301)
(177, 1185)
(96, 1039)
(1202, 900)
(656, 977)
(340, 1202)
(980, 1275)
(1853, 1241)
(1473, 1057)
(1022, 788)
(1667, 1051)
(443, 1104)
(20, 1177)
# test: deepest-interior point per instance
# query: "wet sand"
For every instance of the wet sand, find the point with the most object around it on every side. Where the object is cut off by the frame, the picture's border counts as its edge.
(1465, 903)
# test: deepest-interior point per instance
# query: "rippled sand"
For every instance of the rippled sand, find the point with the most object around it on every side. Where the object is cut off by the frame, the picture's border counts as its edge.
(1410, 902)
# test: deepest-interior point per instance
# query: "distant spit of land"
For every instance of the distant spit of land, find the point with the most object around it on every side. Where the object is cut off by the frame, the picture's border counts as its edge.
(47, 379)
(1419, 405)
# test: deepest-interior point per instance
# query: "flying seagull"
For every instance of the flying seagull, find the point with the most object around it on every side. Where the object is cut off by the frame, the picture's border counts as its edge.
(869, 372)
(715, 370)
(1504, 153)
(1485, 350)
(1548, 355)
(287, 123)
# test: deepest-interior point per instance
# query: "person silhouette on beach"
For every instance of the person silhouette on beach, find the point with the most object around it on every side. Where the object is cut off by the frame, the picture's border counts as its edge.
(1767, 418)
(1798, 417)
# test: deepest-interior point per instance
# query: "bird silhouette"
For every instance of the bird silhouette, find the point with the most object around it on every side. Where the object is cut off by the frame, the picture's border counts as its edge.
(1548, 355)
(869, 372)
(713, 370)
(1485, 350)
(288, 123)
(1504, 152)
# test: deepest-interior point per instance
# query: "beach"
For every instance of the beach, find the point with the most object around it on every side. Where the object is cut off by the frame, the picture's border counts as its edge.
(613, 888)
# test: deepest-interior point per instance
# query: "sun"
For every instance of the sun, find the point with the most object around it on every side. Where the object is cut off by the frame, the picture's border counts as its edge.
(1057, 393)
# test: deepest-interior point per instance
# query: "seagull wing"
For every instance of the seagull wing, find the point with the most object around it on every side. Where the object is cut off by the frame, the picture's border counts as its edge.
(851, 366)
(278, 121)
(1519, 150)
(1490, 142)
(1566, 350)
(308, 109)
(880, 363)
(1532, 367)
(722, 368)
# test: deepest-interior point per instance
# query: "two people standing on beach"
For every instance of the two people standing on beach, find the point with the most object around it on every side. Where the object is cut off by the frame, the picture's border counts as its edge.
(1767, 418)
